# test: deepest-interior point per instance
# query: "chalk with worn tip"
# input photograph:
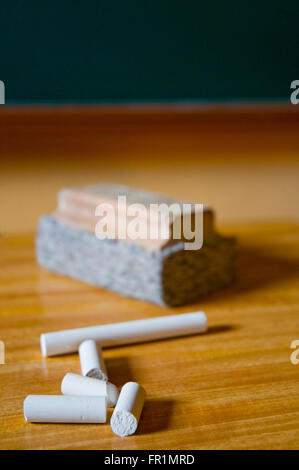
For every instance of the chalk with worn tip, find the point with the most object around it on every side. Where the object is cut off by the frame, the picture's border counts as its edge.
(92, 361)
(65, 409)
(75, 384)
(136, 331)
(126, 414)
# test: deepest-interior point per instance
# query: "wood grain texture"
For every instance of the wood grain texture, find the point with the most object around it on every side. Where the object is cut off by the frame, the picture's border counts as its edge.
(233, 388)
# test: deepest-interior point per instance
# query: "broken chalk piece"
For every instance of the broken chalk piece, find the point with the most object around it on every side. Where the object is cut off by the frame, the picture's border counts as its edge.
(125, 417)
(75, 384)
(114, 334)
(92, 361)
(65, 409)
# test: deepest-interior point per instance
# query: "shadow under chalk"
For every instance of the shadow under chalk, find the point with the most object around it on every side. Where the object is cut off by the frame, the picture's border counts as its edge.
(119, 370)
(156, 416)
(221, 329)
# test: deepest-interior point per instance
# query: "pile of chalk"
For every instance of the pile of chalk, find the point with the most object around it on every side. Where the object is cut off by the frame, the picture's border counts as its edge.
(85, 398)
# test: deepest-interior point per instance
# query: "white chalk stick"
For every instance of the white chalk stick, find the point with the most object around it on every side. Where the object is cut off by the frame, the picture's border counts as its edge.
(125, 417)
(68, 341)
(65, 409)
(92, 361)
(75, 384)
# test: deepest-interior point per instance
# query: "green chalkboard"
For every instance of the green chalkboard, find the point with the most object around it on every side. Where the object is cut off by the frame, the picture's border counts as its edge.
(148, 50)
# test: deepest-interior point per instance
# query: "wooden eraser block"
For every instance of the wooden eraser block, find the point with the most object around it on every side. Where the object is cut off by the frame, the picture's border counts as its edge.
(159, 270)
(77, 206)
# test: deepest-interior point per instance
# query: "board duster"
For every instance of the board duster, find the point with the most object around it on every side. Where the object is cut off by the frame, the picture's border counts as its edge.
(159, 271)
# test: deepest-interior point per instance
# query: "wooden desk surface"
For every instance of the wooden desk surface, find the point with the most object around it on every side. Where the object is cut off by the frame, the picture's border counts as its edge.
(233, 388)
(244, 163)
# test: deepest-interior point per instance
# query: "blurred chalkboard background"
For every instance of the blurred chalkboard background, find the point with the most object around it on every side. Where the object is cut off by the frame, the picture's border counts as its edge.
(64, 51)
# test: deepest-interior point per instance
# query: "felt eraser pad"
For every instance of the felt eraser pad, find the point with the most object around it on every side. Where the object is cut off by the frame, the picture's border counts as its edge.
(166, 274)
